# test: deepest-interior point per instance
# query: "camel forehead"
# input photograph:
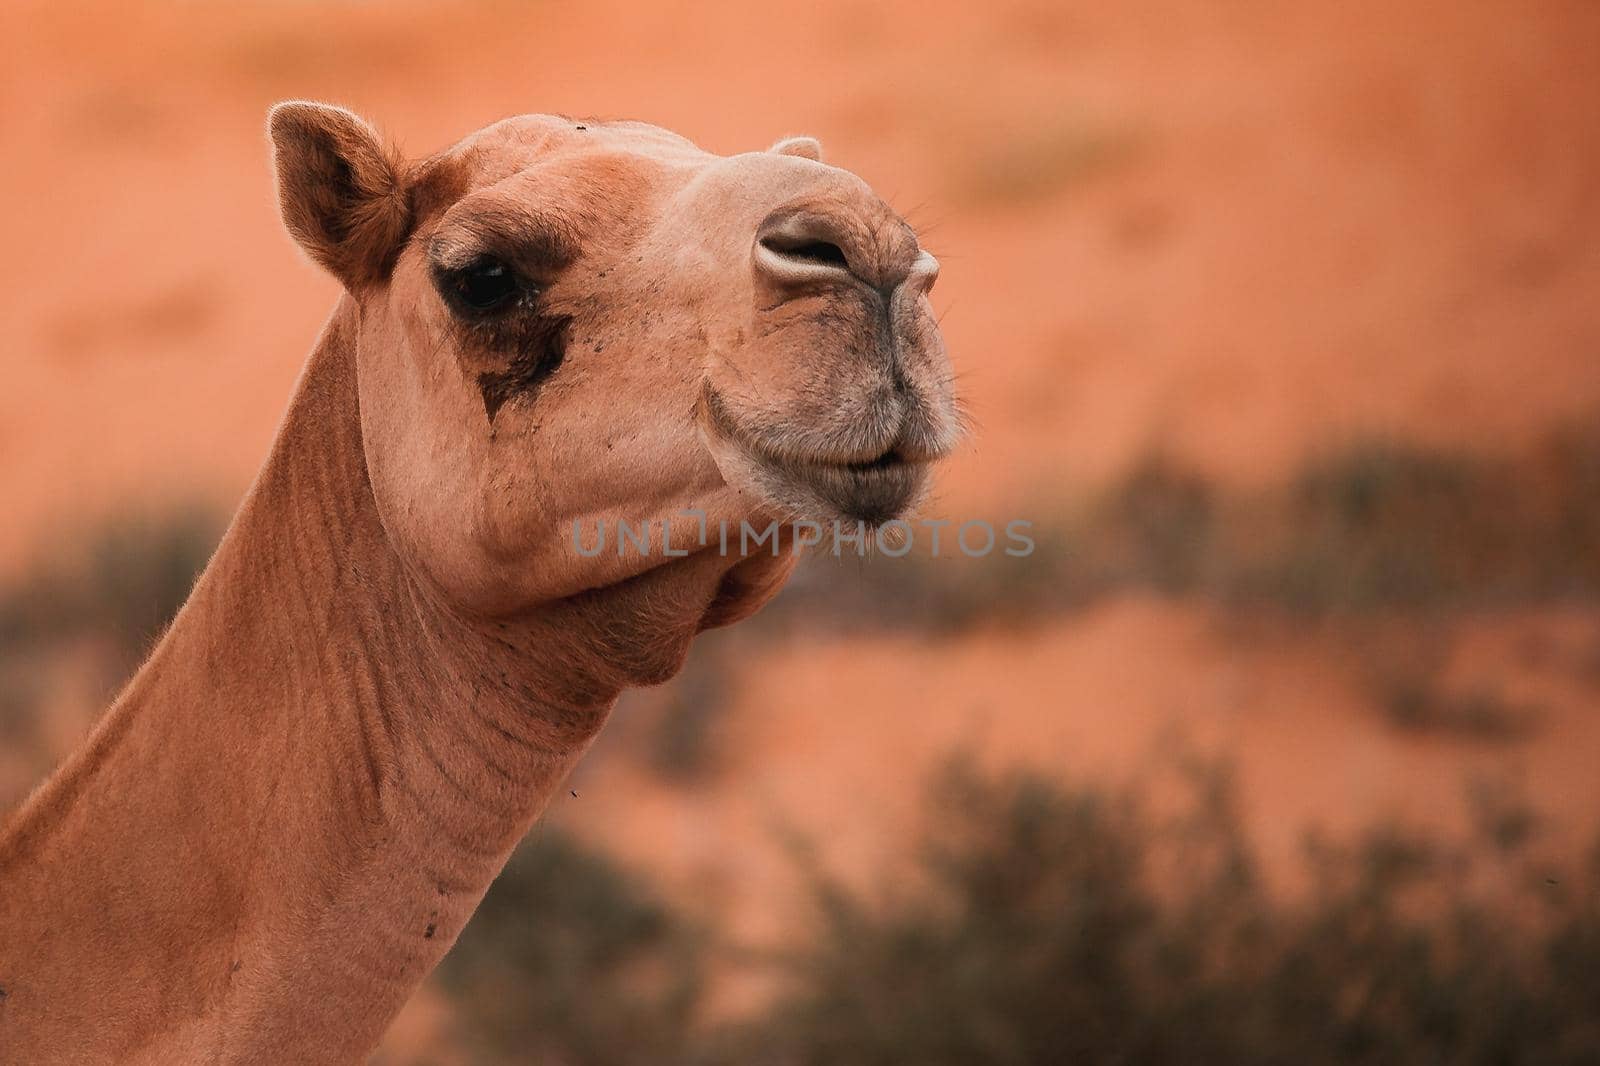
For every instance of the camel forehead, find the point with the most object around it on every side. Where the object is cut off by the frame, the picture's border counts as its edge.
(605, 157)
(495, 152)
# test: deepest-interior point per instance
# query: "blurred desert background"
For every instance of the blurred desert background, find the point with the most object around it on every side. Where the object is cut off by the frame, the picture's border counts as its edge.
(1280, 322)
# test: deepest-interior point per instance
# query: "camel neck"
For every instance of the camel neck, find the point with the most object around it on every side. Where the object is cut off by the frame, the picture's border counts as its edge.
(288, 815)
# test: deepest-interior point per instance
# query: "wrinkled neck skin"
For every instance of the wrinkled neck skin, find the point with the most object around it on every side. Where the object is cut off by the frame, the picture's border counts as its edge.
(290, 813)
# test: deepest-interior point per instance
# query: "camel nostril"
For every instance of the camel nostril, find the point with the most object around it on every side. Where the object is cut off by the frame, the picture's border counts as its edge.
(821, 253)
(800, 249)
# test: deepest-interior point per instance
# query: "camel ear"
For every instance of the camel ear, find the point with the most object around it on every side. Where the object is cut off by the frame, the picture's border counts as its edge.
(339, 190)
(804, 147)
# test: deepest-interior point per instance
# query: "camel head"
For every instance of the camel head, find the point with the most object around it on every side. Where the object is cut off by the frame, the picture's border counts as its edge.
(579, 322)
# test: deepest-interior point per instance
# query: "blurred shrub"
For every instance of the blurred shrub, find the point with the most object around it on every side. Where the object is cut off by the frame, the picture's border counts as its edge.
(1406, 671)
(122, 583)
(1379, 524)
(924, 593)
(1047, 924)
(1157, 527)
(685, 736)
(572, 962)
(18, 697)
(97, 603)
(1375, 526)
(1017, 951)
(1417, 702)
(1065, 925)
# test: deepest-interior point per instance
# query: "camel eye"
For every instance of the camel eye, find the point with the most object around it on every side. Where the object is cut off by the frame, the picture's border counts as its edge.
(484, 286)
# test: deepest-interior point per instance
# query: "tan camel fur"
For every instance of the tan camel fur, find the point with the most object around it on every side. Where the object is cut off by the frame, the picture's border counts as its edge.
(398, 650)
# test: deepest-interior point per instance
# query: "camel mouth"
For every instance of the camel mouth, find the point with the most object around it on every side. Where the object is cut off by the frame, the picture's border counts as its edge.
(887, 461)
(869, 491)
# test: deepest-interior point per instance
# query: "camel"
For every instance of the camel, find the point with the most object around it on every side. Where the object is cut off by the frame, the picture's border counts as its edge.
(396, 653)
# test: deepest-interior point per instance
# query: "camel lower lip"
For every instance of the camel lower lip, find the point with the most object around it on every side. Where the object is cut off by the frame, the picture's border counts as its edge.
(873, 492)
